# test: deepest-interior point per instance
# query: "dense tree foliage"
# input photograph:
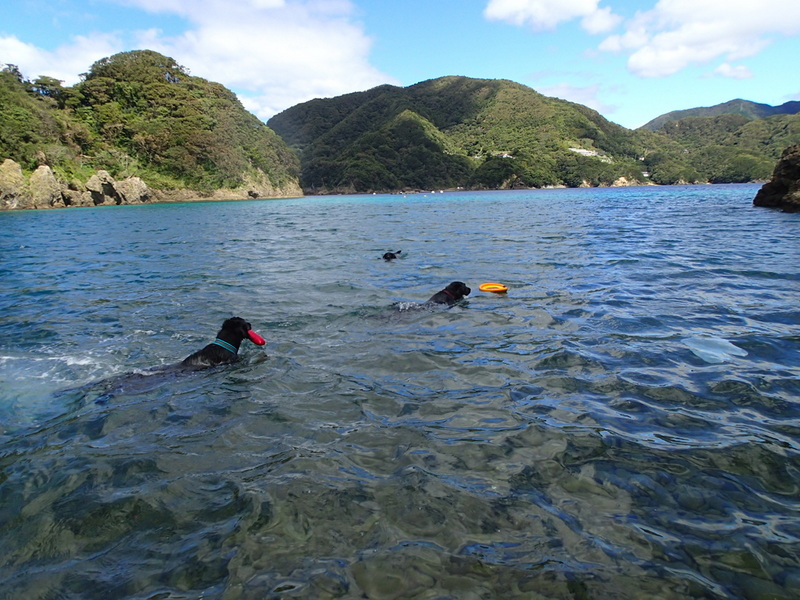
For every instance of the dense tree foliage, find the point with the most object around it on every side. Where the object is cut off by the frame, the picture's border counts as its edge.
(455, 132)
(140, 113)
(477, 133)
(743, 108)
(31, 126)
(731, 148)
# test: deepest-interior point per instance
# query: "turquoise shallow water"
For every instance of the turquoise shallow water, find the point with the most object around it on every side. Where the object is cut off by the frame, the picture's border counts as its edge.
(624, 423)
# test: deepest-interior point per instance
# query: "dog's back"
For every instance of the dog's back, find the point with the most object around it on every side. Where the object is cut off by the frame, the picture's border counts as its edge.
(210, 356)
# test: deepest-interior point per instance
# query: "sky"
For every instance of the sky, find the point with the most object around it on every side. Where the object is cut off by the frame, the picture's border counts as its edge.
(631, 60)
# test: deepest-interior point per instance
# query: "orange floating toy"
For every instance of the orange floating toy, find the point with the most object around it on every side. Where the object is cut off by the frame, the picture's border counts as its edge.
(497, 288)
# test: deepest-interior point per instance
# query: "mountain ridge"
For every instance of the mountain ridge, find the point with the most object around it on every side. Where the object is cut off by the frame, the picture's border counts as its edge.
(475, 120)
(497, 134)
(140, 116)
(746, 108)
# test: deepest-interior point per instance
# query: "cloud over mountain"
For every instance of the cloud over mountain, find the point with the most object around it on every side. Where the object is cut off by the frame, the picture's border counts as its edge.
(676, 34)
(548, 14)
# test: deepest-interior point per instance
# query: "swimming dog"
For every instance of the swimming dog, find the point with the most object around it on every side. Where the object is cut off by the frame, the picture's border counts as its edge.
(454, 292)
(225, 349)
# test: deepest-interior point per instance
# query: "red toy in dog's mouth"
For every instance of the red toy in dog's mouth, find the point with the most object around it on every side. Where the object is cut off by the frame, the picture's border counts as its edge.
(255, 338)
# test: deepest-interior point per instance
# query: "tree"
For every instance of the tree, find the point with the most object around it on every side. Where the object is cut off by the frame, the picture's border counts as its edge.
(14, 71)
(495, 172)
(48, 86)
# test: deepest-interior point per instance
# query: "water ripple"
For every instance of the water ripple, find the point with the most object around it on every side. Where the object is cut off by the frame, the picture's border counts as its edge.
(624, 423)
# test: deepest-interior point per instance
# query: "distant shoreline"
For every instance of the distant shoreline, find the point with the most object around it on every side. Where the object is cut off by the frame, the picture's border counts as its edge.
(195, 199)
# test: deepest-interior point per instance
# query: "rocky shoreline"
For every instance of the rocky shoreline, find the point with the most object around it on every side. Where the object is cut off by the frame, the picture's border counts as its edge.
(42, 189)
(783, 190)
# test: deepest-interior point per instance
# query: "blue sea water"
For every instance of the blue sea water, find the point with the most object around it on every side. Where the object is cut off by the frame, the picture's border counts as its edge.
(623, 423)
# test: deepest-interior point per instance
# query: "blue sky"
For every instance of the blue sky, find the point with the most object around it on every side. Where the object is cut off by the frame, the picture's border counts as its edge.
(631, 60)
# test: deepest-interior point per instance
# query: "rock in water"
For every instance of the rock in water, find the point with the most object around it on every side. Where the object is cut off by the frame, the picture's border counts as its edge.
(783, 190)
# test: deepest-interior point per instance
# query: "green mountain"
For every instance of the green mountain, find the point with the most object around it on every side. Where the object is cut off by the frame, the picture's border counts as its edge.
(732, 148)
(476, 133)
(745, 108)
(457, 132)
(141, 114)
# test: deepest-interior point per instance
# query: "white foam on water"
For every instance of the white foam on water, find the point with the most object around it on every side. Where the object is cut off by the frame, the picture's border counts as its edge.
(29, 382)
(406, 306)
(713, 349)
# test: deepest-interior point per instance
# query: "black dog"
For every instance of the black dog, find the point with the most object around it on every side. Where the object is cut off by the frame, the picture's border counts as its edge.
(451, 294)
(223, 350)
(226, 347)
(391, 255)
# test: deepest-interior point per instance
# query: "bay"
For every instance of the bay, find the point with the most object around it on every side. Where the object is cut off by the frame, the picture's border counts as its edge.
(623, 423)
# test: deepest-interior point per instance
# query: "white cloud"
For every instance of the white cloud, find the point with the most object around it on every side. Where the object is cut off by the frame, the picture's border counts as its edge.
(64, 63)
(586, 95)
(201, 7)
(272, 53)
(548, 14)
(675, 34)
(733, 71)
(600, 21)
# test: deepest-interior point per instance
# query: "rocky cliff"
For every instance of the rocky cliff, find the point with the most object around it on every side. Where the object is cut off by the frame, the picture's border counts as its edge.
(42, 189)
(783, 190)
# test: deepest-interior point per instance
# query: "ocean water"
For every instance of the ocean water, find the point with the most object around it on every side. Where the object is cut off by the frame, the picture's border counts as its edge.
(624, 423)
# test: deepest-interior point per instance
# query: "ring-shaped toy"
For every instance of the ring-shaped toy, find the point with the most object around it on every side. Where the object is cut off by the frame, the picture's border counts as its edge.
(497, 288)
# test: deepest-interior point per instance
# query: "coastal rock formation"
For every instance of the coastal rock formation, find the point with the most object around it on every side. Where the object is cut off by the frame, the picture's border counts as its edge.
(783, 190)
(132, 190)
(101, 187)
(13, 187)
(74, 193)
(45, 191)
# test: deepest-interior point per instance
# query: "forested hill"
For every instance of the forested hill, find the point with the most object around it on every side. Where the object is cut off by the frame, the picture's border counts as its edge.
(478, 133)
(456, 132)
(745, 145)
(141, 114)
(744, 108)
(140, 118)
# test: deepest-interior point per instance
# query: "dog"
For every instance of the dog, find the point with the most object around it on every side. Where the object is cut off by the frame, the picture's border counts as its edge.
(451, 294)
(391, 255)
(225, 349)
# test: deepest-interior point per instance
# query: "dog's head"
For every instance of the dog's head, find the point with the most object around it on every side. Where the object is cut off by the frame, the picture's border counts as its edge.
(238, 329)
(458, 289)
